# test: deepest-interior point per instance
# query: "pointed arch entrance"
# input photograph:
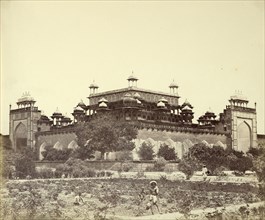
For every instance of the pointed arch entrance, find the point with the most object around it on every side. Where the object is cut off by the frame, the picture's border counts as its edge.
(42, 149)
(20, 136)
(243, 137)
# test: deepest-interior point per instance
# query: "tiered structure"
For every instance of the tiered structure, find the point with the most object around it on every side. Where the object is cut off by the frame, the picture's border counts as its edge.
(156, 114)
(25, 121)
(136, 104)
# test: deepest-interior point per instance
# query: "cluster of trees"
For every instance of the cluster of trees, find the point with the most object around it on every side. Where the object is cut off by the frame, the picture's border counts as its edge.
(146, 152)
(217, 159)
(18, 163)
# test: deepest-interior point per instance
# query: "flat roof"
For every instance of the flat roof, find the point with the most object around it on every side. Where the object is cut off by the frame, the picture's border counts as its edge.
(136, 89)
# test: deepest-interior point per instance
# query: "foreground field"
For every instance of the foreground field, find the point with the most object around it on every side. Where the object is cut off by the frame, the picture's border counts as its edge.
(111, 198)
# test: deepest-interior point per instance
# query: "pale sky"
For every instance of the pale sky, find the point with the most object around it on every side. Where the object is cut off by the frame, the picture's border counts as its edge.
(55, 49)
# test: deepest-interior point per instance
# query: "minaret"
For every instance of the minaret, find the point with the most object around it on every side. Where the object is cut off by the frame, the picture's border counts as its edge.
(173, 88)
(93, 88)
(132, 80)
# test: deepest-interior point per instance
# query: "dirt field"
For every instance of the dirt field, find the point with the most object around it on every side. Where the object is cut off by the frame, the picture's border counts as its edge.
(118, 198)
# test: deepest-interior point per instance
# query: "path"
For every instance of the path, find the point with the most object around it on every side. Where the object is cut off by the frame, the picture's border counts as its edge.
(197, 213)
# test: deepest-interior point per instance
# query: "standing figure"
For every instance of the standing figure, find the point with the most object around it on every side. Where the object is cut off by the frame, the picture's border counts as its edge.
(141, 196)
(204, 172)
(78, 199)
(153, 196)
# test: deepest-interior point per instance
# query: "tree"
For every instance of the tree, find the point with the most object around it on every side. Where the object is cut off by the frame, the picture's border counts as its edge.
(106, 134)
(258, 155)
(25, 166)
(146, 151)
(7, 156)
(217, 158)
(168, 153)
(188, 165)
(83, 152)
(21, 160)
(214, 158)
(236, 160)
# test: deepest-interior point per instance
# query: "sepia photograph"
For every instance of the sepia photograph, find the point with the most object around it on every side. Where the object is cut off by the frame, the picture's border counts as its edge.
(132, 110)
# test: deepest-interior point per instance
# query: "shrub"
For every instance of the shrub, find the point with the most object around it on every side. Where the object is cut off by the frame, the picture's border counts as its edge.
(127, 166)
(262, 190)
(219, 171)
(149, 168)
(100, 173)
(146, 151)
(53, 154)
(90, 172)
(62, 169)
(25, 166)
(160, 164)
(214, 158)
(124, 155)
(188, 166)
(108, 173)
(259, 161)
(168, 169)
(168, 153)
(45, 173)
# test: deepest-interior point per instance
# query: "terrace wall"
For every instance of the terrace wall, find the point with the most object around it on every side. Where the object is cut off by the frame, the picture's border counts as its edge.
(181, 141)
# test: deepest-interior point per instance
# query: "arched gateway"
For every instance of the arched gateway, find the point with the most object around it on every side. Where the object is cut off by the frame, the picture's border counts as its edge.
(20, 136)
(244, 137)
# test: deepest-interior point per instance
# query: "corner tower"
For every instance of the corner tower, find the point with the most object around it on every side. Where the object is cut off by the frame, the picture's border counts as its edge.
(241, 123)
(23, 122)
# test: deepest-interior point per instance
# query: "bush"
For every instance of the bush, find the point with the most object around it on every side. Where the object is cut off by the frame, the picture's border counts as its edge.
(149, 169)
(25, 166)
(45, 173)
(215, 159)
(188, 166)
(90, 172)
(259, 161)
(108, 173)
(52, 154)
(124, 155)
(168, 153)
(63, 169)
(219, 171)
(100, 173)
(126, 167)
(146, 151)
(75, 168)
(160, 164)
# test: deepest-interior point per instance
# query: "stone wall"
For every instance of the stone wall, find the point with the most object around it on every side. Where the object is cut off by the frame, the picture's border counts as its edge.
(64, 138)
(181, 141)
(58, 140)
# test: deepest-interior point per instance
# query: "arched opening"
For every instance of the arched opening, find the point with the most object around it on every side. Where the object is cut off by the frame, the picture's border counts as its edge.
(72, 145)
(42, 149)
(58, 146)
(243, 137)
(20, 136)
